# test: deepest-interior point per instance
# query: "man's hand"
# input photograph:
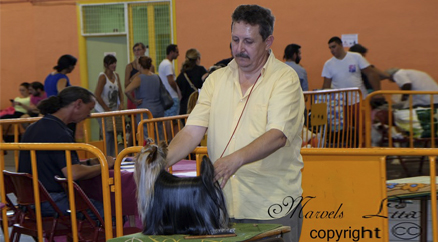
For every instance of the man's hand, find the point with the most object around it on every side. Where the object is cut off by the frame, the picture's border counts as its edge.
(327, 83)
(259, 149)
(110, 160)
(138, 101)
(224, 168)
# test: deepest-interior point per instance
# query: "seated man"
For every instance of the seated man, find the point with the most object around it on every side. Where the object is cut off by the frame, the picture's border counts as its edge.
(72, 105)
(36, 89)
(416, 81)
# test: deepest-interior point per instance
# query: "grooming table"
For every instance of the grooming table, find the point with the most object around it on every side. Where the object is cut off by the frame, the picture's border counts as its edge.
(244, 232)
(93, 187)
(413, 188)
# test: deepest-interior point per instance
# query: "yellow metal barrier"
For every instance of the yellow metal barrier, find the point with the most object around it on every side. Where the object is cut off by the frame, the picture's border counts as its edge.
(353, 181)
(67, 147)
(164, 127)
(118, 186)
(344, 189)
(18, 123)
(333, 117)
(348, 181)
(114, 115)
(199, 152)
(386, 118)
(156, 127)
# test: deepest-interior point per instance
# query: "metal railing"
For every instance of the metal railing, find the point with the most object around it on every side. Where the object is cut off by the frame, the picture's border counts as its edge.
(357, 155)
(118, 122)
(67, 148)
(409, 134)
(16, 125)
(161, 129)
(333, 117)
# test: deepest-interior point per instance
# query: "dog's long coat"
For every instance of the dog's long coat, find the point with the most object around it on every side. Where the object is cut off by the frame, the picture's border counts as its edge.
(172, 205)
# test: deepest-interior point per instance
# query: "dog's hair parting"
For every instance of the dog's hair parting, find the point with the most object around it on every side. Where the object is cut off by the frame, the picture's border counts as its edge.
(173, 205)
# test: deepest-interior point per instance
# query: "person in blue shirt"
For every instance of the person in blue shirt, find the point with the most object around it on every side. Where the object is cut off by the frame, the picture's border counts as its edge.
(292, 56)
(58, 80)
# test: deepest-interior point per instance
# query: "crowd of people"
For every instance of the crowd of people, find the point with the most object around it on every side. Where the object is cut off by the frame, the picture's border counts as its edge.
(345, 69)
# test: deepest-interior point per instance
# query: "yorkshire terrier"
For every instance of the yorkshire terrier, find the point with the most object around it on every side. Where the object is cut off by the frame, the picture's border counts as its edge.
(173, 205)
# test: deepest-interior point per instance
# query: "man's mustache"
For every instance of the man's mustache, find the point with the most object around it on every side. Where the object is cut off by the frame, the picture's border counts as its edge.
(242, 55)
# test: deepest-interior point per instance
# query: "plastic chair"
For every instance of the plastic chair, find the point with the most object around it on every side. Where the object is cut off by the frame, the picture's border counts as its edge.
(26, 218)
(89, 229)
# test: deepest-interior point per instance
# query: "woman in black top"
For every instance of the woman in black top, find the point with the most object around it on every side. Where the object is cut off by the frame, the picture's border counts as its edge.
(193, 73)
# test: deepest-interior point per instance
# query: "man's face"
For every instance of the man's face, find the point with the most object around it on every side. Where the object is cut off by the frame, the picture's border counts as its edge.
(249, 49)
(82, 110)
(336, 49)
(175, 54)
(34, 92)
(298, 57)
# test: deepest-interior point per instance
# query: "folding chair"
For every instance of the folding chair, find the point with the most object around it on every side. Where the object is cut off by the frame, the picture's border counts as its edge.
(9, 188)
(26, 223)
(2, 205)
(89, 229)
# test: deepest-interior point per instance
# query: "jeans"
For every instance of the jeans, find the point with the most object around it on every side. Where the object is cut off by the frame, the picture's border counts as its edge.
(109, 141)
(174, 110)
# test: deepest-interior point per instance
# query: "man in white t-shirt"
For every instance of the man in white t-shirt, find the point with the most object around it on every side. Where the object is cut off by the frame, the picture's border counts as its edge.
(344, 69)
(416, 81)
(167, 76)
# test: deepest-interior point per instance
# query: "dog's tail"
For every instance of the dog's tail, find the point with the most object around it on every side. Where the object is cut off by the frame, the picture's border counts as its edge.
(213, 187)
(148, 164)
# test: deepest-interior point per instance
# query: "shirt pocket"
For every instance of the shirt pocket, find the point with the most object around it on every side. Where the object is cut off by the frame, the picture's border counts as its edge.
(258, 119)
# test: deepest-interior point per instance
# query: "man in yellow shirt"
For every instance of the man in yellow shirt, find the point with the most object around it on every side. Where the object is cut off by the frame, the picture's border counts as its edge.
(253, 111)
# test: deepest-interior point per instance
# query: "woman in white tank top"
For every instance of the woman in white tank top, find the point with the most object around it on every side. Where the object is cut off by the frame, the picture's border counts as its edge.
(109, 96)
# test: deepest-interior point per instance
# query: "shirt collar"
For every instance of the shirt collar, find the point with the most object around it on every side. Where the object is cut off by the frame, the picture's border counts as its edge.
(54, 118)
(59, 121)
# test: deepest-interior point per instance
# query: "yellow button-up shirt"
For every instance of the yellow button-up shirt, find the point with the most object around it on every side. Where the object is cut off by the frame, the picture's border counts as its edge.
(257, 189)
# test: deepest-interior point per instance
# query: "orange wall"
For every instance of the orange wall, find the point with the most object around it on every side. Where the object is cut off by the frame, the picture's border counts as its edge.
(33, 37)
(398, 33)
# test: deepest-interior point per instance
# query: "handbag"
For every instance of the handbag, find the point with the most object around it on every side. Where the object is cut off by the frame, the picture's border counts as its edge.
(108, 122)
(193, 98)
(165, 97)
(7, 111)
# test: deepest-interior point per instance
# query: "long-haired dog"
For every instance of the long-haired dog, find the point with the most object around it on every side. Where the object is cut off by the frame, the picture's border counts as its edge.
(173, 205)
